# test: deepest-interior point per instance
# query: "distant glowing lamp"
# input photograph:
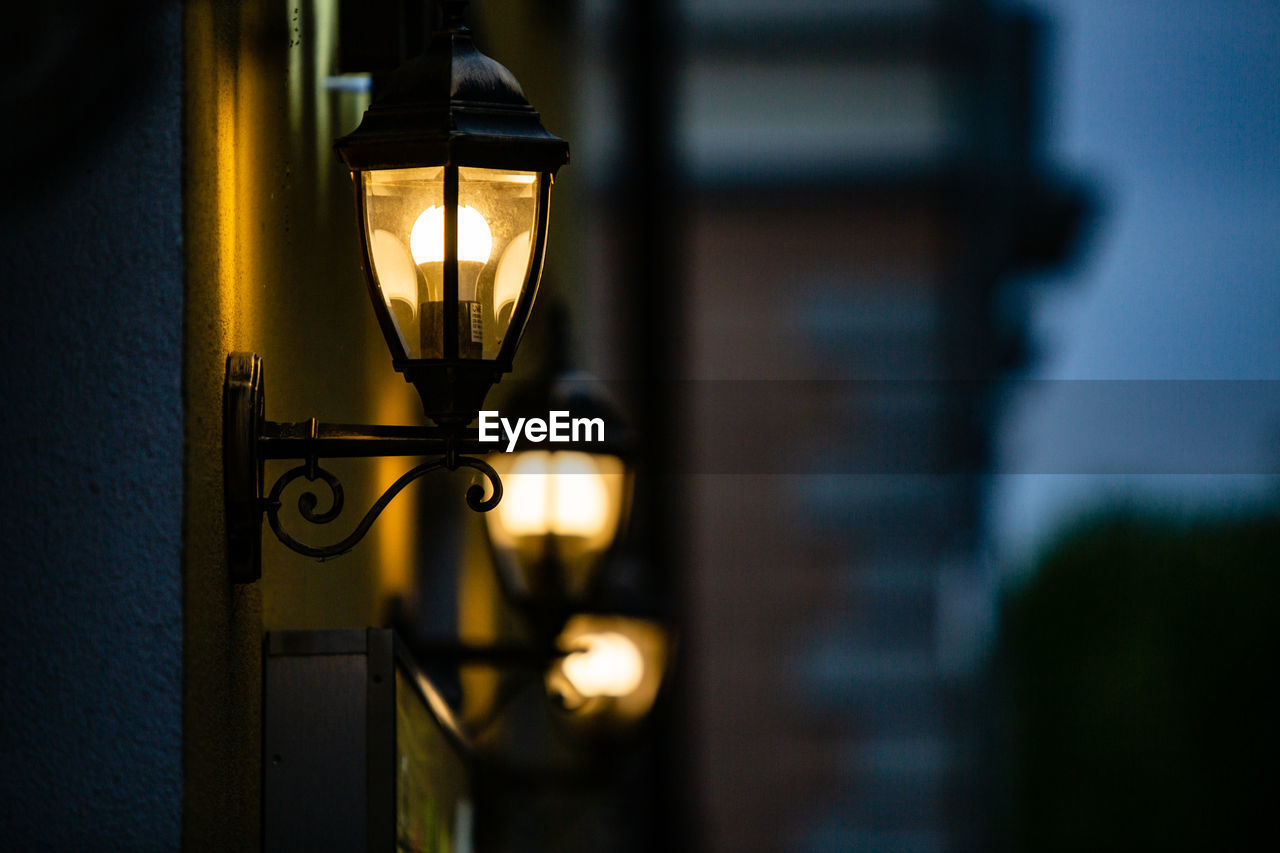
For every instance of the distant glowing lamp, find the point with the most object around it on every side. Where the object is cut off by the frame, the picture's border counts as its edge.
(559, 516)
(562, 509)
(603, 664)
(611, 668)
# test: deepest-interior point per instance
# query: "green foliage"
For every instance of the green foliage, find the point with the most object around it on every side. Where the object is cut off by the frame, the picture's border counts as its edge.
(1144, 664)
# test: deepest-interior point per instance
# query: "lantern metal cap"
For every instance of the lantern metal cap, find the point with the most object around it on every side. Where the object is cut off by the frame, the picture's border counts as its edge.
(452, 105)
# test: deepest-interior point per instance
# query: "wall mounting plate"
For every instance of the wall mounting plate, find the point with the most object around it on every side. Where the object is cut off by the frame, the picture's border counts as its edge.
(243, 407)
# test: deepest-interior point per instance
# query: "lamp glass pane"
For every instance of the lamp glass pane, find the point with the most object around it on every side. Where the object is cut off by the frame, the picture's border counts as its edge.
(494, 257)
(399, 206)
(497, 221)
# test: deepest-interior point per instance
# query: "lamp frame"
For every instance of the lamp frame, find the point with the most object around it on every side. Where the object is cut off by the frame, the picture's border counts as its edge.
(454, 108)
(453, 388)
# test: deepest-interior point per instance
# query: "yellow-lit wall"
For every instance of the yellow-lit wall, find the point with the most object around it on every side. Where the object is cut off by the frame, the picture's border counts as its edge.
(272, 267)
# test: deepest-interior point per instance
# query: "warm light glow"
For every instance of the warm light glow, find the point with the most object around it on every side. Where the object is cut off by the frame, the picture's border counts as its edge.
(559, 493)
(576, 496)
(426, 239)
(611, 671)
(404, 218)
(564, 506)
(512, 268)
(604, 664)
(396, 275)
(523, 509)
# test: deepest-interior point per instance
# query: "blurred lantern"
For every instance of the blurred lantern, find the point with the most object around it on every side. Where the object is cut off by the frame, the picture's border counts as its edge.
(562, 514)
(452, 171)
(611, 669)
(562, 509)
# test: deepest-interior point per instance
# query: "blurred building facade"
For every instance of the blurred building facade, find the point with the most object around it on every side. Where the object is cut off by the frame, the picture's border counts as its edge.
(835, 193)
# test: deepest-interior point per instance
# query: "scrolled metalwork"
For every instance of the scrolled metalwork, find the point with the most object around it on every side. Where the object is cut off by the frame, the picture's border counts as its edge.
(308, 501)
(475, 492)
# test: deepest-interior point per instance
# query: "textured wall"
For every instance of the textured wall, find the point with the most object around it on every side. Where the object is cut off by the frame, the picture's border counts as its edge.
(91, 431)
(272, 267)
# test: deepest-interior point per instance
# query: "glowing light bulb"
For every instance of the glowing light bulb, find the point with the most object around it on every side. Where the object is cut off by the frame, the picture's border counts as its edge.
(606, 664)
(475, 243)
(426, 239)
(399, 282)
(396, 275)
(509, 278)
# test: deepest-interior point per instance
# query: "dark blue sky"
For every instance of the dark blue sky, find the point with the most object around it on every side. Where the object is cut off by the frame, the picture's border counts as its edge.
(1172, 110)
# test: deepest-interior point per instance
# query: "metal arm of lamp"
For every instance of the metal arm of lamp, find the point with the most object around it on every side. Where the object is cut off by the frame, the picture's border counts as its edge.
(249, 439)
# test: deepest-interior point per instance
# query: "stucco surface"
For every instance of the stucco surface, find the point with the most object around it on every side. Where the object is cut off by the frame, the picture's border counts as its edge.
(91, 476)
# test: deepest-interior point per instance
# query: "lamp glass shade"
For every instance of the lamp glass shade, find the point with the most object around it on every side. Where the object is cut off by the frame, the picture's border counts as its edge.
(559, 509)
(405, 227)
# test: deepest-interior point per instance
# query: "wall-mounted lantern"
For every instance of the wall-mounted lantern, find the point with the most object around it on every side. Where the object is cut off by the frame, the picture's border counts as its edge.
(452, 172)
(563, 509)
(610, 669)
(563, 512)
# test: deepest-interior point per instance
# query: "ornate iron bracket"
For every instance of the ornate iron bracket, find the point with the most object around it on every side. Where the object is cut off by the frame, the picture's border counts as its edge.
(249, 439)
